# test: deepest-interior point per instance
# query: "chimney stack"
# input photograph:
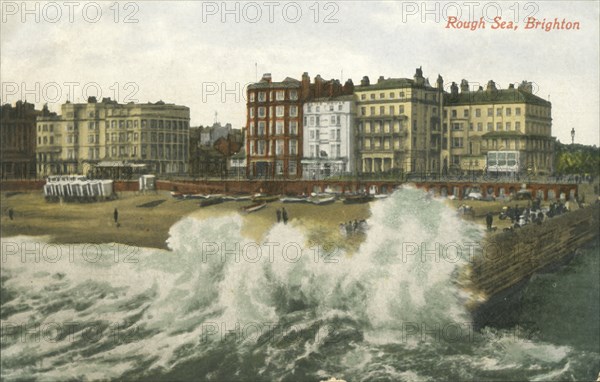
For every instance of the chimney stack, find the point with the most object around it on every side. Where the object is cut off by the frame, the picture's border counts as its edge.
(454, 89)
(266, 77)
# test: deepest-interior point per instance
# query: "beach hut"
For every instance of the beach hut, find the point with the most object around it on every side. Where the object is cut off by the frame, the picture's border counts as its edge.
(106, 189)
(147, 183)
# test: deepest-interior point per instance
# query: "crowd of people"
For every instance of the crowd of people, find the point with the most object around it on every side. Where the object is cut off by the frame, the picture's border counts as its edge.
(520, 216)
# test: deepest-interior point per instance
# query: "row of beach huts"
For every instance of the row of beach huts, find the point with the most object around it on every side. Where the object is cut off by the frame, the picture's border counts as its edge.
(77, 188)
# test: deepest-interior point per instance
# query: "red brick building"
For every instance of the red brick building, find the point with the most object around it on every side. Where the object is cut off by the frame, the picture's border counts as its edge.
(275, 123)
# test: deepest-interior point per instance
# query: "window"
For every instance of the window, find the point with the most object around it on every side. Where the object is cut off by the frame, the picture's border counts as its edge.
(466, 113)
(261, 147)
(401, 109)
(401, 95)
(279, 111)
(337, 120)
(498, 126)
(479, 126)
(499, 112)
(293, 128)
(312, 120)
(373, 96)
(293, 111)
(490, 126)
(363, 96)
(457, 142)
(453, 113)
(363, 111)
(478, 112)
(292, 149)
(318, 121)
(517, 111)
(340, 107)
(392, 110)
(471, 126)
(252, 96)
(309, 108)
(280, 95)
(251, 112)
(262, 97)
(293, 94)
(372, 110)
(261, 112)
(508, 126)
(490, 112)
(518, 126)
(332, 120)
(392, 95)
(508, 111)
(457, 126)
(279, 127)
(331, 107)
(381, 95)
(261, 129)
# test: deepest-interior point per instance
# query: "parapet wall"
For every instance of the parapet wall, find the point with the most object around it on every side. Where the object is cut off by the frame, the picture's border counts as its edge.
(510, 257)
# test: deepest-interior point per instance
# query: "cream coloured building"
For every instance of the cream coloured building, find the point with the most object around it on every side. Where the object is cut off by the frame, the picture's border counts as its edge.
(492, 119)
(398, 125)
(85, 135)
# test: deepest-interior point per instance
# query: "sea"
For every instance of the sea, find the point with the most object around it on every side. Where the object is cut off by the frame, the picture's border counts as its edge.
(219, 306)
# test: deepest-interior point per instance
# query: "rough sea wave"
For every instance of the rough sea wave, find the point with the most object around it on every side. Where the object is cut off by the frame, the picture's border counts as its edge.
(221, 307)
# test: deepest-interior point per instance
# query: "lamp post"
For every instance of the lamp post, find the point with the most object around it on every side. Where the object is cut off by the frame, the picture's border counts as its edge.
(573, 136)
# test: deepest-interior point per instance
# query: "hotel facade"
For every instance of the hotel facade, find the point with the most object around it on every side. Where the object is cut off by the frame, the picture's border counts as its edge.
(392, 127)
(512, 120)
(329, 147)
(108, 134)
(398, 125)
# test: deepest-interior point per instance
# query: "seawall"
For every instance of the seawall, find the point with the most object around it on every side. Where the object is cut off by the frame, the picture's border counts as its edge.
(508, 259)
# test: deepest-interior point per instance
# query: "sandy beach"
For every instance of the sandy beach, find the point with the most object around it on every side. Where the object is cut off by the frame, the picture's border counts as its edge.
(149, 226)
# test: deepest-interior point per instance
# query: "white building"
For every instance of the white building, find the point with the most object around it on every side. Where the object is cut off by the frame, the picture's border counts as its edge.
(328, 137)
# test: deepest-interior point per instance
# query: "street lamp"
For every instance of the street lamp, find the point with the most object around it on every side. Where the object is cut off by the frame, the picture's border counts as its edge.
(573, 136)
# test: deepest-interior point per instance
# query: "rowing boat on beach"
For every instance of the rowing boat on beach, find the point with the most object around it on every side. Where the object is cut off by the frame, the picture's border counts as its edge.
(254, 207)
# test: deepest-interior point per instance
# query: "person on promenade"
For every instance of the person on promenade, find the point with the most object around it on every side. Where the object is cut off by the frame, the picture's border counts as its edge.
(278, 215)
(116, 215)
(489, 219)
(284, 215)
(11, 214)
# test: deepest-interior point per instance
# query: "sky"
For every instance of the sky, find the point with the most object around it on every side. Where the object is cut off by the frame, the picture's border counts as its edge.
(202, 54)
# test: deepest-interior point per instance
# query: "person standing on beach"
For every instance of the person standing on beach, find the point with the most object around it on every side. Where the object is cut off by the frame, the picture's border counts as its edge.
(11, 214)
(116, 215)
(284, 215)
(278, 215)
(489, 219)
